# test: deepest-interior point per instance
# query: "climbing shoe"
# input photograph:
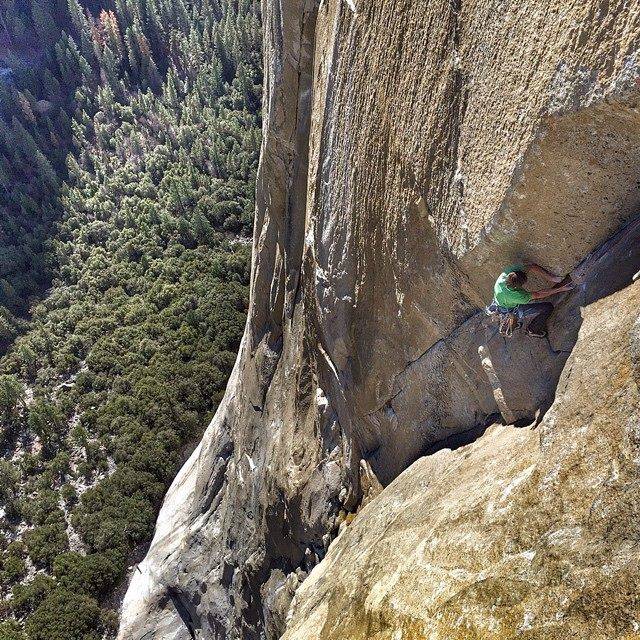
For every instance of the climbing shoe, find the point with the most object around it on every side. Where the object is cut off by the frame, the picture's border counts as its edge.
(536, 334)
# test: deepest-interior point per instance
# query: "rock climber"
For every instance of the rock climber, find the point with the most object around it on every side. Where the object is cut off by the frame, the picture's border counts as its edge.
(510, 294)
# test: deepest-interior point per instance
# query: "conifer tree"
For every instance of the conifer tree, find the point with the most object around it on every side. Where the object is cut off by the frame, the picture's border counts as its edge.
(133, 53)
(23, 140)
(52, 87)
(46, 171)
(43, 21)
(83, 29)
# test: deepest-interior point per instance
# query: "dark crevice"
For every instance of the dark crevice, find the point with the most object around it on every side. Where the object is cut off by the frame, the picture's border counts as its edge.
(187, 614)
(463, 438)
(216, 480)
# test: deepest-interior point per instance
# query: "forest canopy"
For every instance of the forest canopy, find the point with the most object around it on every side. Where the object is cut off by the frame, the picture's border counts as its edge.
(129, 143)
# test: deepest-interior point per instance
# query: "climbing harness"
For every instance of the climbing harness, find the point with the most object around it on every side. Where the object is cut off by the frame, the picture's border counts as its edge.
(509, 319)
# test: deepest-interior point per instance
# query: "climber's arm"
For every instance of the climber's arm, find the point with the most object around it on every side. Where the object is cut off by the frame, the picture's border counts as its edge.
(543, 273)
(545, 293)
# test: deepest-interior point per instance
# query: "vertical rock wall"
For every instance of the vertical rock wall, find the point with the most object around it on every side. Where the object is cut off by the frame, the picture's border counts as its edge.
(410, 150)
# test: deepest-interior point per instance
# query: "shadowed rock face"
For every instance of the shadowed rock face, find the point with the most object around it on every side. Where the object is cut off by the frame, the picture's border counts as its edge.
(411, 149)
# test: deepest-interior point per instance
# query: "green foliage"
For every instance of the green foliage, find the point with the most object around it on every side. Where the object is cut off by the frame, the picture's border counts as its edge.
(11, 630)
(42, 508)
(12, 568)
(17, 548)
(47, 422)
(93, 574)
(11, 393)
(45, 543)
(9, 479)
(64, 615)
(127, 162)
(69, 494)
(194, 67)
(27, 597)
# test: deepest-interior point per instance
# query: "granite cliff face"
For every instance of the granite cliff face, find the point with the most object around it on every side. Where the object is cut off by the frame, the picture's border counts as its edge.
(410, 150)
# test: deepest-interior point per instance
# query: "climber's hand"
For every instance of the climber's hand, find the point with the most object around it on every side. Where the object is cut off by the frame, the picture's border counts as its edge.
(564, 281)
(544, 273)
(545, 293)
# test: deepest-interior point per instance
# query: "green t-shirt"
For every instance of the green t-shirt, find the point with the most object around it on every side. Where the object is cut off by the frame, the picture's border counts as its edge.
(506, 297)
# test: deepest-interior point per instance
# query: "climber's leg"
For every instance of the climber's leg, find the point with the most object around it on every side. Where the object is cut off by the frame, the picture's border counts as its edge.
(537, 313)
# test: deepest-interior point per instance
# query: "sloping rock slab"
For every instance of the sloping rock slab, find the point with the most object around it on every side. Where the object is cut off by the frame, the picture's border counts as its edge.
(525, 533)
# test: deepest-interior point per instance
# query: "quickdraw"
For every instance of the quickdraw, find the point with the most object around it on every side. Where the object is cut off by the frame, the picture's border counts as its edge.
(510, 319)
